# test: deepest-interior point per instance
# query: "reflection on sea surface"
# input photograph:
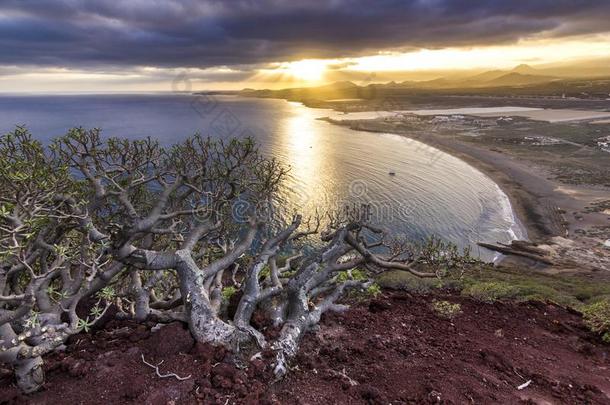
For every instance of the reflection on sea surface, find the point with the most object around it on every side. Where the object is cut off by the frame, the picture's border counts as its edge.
(430, 192)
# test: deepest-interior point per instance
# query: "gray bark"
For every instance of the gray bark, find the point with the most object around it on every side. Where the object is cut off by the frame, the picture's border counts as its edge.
(28, 370)
(203, 320)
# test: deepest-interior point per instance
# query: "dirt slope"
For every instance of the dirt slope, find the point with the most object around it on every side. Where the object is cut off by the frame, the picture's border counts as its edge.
(391, 350)
(399, 351)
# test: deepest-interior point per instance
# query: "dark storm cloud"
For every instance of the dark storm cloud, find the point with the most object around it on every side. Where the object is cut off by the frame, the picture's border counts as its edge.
(93, 33)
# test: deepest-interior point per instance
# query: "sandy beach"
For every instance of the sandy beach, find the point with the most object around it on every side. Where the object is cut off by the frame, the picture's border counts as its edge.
(551, 212)
(538, 201)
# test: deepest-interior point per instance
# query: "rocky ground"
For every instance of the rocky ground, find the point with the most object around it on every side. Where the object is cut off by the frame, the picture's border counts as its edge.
(395, 349)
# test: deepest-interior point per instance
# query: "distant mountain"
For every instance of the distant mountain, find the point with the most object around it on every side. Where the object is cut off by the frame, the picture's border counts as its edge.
(342, 89)
(492, 78)
(585, 69)
(522, 79)
(519, 76)
(518, 79)
(485, 76)
(337, 86)
(433, 84)
(525, 70)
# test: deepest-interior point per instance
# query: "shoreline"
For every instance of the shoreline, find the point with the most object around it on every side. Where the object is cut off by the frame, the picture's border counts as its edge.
(539, 204)
(494, 165)
(568, 221)
(520, 202)
(480, 160)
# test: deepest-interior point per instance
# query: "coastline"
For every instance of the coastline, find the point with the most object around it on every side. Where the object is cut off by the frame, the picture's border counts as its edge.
(539, 204)
(503, 171)
(568, 221)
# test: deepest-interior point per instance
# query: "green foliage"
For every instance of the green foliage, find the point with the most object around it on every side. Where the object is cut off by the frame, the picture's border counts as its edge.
(362, 294)
(597, 318)
(490, 291)
(401, 280)
(33, 321)
(31, 178)
(446, 309)
(107, 293)
(5, 210)
(445, 258)
(84, 324)
(353, 274)
(265, 272)
(528, 285)
(25, 163)
(489, 283)
(96, 311)
(228, 292)
(373, 290)
(56, 295)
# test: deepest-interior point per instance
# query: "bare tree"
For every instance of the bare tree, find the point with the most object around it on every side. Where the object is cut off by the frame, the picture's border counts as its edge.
(174, 229)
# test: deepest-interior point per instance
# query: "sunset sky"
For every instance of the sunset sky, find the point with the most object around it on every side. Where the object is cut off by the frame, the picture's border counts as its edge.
(146, 45)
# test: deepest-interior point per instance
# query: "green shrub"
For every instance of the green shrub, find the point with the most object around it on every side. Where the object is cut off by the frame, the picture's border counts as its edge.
(490, 291)
(523, 284)
(489, 283)
(597, 318)
(401, 280)
(446, 309)
(374, 290)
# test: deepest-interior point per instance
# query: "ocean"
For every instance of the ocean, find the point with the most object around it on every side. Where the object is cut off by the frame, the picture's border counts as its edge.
(413, 189)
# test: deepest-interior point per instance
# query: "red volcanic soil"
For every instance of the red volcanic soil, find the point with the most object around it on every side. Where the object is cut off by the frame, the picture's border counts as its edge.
(392, 350)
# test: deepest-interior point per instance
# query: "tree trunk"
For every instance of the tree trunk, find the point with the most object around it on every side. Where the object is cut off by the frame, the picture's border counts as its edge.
(204, 323)
(297, 323)
(141, 298)
(275, 308)
(29, 374)
(28, 371)
(287, 345)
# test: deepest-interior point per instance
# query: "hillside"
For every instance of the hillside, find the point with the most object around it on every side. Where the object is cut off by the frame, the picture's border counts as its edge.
(525, 69)
(393, 349)
(331, 91)
(517, 82)
(517, 79)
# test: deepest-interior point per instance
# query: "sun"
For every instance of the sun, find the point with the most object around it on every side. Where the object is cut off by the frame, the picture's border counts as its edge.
(309, 70)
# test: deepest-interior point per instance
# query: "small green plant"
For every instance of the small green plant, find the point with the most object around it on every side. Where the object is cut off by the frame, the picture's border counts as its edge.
(445, 258)
(597, 318)
(373, 290)
(33, 321)
(106, 293)
(84, 324)
(96, 311)
(228, 292)
(55, 295)
(446, 309)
